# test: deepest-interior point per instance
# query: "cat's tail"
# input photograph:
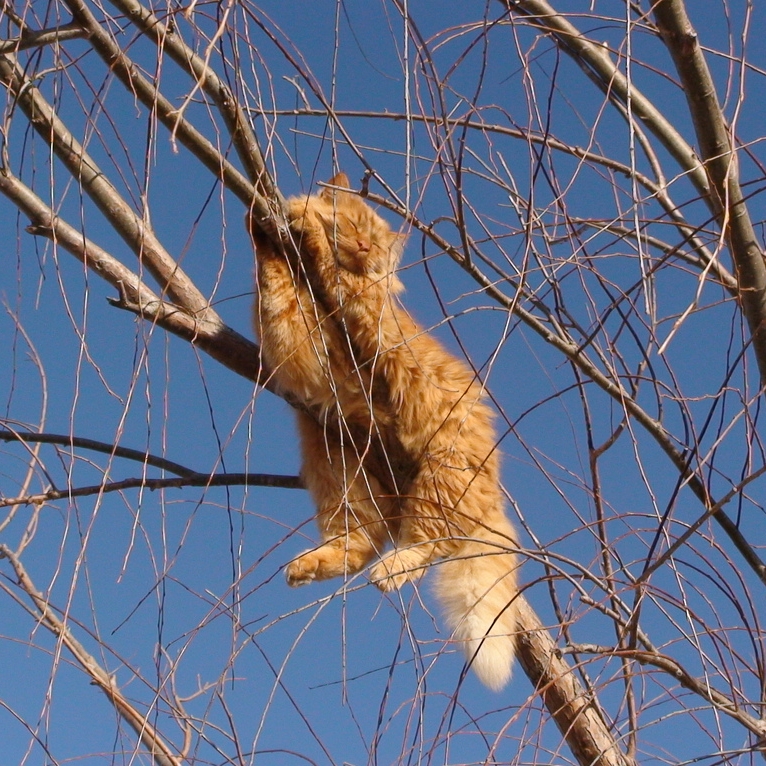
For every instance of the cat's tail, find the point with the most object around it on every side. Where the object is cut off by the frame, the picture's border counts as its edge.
(478, 592)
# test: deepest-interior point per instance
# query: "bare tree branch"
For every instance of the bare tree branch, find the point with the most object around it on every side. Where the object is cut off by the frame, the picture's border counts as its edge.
(208, 332)
(721, 165)
(228, 104)
(659, 191)
(543, 273)
(700, 687)
(38, 37)
(151, 97)
(160, 751)
(145, 482)
(135, 231)
(185, 477)
(596, 62)
(577, 718)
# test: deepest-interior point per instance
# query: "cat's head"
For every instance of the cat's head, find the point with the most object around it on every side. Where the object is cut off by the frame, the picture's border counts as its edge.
(361, 240)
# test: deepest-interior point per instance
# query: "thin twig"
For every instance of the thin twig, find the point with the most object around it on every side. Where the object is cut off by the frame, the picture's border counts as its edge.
(135, 231)
(36, 38)
(160, 751)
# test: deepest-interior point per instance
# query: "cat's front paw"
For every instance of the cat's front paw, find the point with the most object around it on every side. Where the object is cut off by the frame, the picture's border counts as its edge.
(301, 216)
(397, 568)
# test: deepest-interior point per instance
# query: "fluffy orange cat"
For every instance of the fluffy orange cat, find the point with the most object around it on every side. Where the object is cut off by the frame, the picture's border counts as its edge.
(339, 342)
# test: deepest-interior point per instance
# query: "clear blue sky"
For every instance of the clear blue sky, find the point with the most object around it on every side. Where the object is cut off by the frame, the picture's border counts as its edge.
(338, 673)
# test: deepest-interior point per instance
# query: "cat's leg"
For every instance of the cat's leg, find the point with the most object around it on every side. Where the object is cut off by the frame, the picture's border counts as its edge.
(440, 510)
(350, 508)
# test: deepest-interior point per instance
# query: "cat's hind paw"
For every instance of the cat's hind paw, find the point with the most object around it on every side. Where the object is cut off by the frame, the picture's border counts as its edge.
(301, 570)
(397, 568)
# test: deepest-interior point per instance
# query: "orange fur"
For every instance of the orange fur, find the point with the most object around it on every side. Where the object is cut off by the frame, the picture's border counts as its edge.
(338, 340)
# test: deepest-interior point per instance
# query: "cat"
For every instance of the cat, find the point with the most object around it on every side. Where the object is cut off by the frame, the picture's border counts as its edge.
(338, 340)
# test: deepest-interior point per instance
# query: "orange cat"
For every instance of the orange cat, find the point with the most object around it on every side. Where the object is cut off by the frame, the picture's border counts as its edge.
(337, 340)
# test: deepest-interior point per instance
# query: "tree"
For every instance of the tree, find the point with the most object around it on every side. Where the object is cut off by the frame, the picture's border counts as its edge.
(582, 189)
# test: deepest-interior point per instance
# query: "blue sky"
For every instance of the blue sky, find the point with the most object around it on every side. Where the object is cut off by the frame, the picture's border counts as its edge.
(191, 579)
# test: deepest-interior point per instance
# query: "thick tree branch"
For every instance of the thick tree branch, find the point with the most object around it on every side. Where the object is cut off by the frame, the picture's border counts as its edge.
(717, 180)
(722, 167)
(228, 104)
(167, 113)
(577, 717)
(136, 232)
(595, 61)
(36, 38)
(209, 333)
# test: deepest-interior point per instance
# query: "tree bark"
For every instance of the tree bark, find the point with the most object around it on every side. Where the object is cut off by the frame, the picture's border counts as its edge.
(720, 162)
(577, 717)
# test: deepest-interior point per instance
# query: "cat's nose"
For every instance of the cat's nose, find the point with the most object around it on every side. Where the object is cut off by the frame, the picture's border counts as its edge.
(363, 246)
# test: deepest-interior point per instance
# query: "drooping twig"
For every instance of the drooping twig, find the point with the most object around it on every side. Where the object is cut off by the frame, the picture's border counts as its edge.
(657, 190)
(702, 688)
(159, 749)
(209, 333)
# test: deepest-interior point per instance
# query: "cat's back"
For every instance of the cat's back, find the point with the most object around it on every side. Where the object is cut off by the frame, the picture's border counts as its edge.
(439, 396)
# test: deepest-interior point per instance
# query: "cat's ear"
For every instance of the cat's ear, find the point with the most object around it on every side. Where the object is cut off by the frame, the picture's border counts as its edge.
(339, 179)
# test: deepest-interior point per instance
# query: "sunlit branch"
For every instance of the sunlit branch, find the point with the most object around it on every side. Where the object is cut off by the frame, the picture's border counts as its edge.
(208, 332)
(719, 272)
(228, 104)
(160, 751)
(721, 164)
(717, 182)
(658, 190)
(594, 455)
(167, 113)
(40, 37)
(597, 64)
(135, 231)
(683, 539)
(577, 717)
(318, 93)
